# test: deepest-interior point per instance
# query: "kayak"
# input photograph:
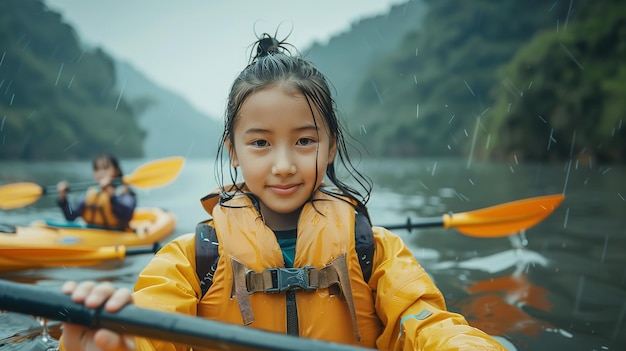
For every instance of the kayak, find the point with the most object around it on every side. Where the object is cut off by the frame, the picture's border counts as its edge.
(54, 244)
(20, 257)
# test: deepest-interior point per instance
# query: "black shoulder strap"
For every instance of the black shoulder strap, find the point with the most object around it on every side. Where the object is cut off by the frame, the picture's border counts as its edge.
(364, 244)
(207, 254)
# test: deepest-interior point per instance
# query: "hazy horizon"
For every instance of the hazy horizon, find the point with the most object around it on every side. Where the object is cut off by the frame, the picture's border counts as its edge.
(196, 50)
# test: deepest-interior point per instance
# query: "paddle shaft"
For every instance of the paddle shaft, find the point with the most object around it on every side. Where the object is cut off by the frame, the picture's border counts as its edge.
(132, 320)
(149, 175)
(140, 250)
(79, 186)
(418, 223)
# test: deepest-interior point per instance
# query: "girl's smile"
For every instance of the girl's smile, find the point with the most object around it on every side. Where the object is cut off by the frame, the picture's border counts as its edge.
(284, 190)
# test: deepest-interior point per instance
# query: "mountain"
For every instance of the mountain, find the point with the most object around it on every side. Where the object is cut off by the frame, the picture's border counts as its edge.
(64, 99)
(482, 79)
(348, 56)
(172, 125)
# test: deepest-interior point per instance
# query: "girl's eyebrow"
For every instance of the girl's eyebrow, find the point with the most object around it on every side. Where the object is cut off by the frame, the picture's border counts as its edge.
(299, 129)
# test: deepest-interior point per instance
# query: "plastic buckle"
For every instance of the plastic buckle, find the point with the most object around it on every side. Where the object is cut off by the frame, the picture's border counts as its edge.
(285, 279)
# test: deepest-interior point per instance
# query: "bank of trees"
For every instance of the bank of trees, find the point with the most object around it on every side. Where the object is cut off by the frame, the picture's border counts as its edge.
(535, 80)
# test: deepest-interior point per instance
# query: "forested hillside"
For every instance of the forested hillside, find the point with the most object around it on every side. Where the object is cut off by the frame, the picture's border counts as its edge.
(537, 80)
(57, 99)
(568, 88)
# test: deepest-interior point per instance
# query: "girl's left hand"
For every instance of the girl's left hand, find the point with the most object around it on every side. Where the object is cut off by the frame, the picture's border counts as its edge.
(92, 295)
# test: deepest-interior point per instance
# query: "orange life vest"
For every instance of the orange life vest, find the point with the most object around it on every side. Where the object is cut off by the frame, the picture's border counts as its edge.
(248, 249)
(98, 210)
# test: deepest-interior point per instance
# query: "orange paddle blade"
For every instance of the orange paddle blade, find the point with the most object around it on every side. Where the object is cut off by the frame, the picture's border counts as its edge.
(18, 195)
(511, 217)
(156, 173)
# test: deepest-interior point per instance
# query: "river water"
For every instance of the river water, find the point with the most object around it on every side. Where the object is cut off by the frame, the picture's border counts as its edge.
(558, 285)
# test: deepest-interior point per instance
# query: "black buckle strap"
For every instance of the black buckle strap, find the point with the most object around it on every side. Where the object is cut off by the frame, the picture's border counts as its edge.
(277, 280)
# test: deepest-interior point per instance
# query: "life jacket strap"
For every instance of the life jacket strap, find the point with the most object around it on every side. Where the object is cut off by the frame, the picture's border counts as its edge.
(340, 265)
(277, 280)
(240, 292)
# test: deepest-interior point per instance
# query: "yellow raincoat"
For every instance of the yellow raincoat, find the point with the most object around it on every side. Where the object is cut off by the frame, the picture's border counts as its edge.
(398, 309)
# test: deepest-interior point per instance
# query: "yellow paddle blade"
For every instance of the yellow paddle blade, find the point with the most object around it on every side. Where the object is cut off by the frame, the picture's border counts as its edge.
(155, 173)
(152, 174)
(511, 217)
(18, 195)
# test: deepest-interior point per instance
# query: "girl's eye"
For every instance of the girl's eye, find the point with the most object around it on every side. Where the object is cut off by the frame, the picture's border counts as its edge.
(305, 141)
(259, 143)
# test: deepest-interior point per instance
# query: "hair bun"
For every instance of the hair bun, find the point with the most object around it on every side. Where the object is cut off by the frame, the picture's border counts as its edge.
(267, 45)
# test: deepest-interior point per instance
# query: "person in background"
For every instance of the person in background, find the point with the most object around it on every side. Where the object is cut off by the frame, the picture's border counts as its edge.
(292, 213)
(110, 204)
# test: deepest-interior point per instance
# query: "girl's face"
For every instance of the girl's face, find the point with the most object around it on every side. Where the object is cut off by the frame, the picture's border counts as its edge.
(282, 153)
(103, 168)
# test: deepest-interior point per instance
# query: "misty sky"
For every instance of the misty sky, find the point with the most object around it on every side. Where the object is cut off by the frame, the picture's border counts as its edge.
(196, 47)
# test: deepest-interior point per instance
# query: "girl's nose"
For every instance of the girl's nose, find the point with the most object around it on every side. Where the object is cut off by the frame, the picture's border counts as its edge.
(283, 165)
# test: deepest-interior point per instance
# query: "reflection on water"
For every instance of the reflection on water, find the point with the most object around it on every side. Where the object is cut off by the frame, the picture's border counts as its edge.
(560, 286)
(20, 332)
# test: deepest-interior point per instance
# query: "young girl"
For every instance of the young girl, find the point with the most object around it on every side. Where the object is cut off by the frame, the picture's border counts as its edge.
(104, 205)
(283, 137)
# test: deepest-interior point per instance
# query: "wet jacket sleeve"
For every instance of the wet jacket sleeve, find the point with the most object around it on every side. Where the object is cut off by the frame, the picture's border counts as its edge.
(169, 283)
(123, 206)
(71, 212)
(411, 307)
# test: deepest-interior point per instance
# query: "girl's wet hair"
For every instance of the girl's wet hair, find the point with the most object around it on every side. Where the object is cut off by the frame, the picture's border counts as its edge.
(272, 63)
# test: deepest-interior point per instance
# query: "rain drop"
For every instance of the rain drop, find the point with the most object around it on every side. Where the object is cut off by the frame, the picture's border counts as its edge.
(469, 88)
(56, 82)
(119, 98)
